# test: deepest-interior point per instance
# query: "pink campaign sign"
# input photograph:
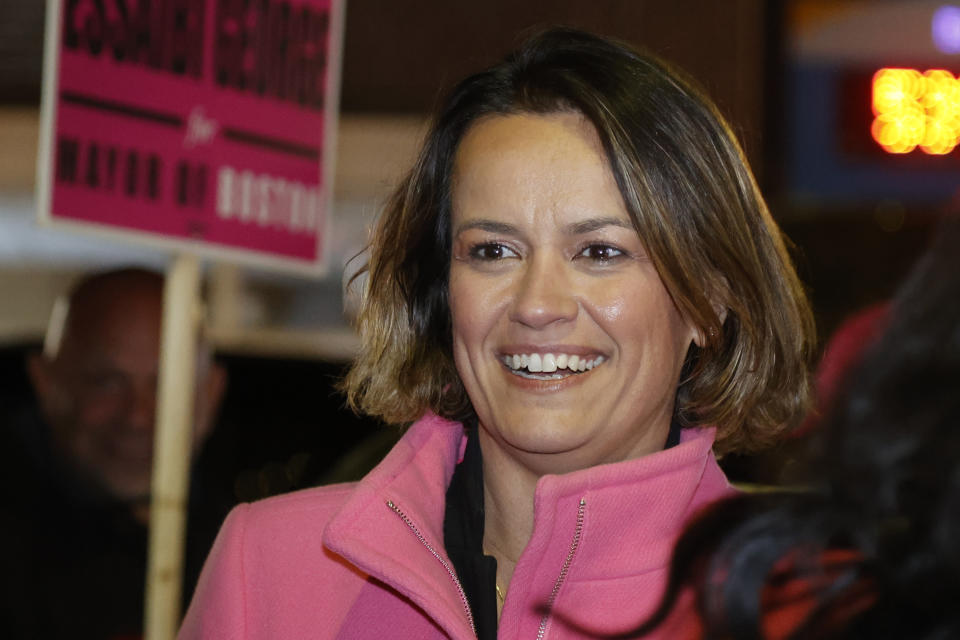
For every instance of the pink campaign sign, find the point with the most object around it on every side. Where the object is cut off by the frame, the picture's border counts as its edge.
(201, 122)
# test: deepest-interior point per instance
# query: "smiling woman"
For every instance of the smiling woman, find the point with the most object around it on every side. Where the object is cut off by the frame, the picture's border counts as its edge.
(546, 265)
(576, 297)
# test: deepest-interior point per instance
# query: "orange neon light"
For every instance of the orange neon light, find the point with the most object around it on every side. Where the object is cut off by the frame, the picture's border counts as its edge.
(914, 109)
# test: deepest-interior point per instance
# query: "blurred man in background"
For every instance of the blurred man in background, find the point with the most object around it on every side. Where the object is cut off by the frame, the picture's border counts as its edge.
(77, 466)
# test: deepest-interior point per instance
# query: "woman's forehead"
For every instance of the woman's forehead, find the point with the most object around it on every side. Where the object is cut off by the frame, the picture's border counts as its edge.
(525, 166)
(495, 133)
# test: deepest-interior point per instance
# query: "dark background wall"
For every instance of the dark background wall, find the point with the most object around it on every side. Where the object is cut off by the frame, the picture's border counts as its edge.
(400, 56)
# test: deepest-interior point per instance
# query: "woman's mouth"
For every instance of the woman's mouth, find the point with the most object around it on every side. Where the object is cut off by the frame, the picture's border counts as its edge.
(549, 366)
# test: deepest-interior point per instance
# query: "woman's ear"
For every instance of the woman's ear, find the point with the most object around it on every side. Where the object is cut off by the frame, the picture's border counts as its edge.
(705, 336)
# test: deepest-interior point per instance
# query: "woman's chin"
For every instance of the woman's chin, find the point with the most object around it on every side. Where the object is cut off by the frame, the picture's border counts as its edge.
(536, 439)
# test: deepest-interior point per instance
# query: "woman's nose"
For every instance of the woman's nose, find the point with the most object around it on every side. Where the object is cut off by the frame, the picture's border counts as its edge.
(544, 294)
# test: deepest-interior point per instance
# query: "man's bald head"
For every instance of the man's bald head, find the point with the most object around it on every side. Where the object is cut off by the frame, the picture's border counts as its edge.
(97, 385)
(102, 309)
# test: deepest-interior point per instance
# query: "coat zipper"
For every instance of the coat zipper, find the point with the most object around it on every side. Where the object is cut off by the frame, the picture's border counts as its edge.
(446, 565)
(564, 570)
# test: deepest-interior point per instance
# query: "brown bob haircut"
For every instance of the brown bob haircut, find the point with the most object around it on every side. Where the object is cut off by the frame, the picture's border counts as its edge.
(692, 199)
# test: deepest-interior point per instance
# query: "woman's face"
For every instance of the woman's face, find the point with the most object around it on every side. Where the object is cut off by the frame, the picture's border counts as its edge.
(564, 336)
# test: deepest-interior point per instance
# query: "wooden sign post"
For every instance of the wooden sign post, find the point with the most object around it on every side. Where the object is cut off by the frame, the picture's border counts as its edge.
(172, 446)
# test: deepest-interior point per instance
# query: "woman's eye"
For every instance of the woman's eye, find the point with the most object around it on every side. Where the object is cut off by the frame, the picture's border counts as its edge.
(490, 251)
(601, 253)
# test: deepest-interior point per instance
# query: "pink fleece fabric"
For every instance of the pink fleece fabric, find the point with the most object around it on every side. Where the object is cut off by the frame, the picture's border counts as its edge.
(340, 562)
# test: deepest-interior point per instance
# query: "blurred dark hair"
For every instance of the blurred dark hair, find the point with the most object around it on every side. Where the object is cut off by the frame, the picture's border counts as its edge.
(889, 460)
(692, 200)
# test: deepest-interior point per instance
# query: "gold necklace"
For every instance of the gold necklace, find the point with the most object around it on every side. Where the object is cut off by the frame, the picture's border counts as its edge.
(496, 584)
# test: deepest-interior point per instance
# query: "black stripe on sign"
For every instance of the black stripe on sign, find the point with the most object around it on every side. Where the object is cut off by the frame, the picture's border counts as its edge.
(111, 106)
(274, 144)
(160, 117)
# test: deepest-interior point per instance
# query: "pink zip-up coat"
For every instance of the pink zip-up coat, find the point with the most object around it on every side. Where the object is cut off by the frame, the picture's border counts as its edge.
(366, 560)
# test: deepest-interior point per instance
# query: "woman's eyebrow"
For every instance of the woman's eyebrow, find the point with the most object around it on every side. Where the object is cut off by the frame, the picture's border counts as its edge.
(490, 226)
(593, 224)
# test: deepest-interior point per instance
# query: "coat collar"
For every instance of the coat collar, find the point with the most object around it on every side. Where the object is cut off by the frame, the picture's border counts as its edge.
(393, 543)
(633, 512)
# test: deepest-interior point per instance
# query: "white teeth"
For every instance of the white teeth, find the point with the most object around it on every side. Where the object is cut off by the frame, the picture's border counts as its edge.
(549, 363)
(536, 363)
